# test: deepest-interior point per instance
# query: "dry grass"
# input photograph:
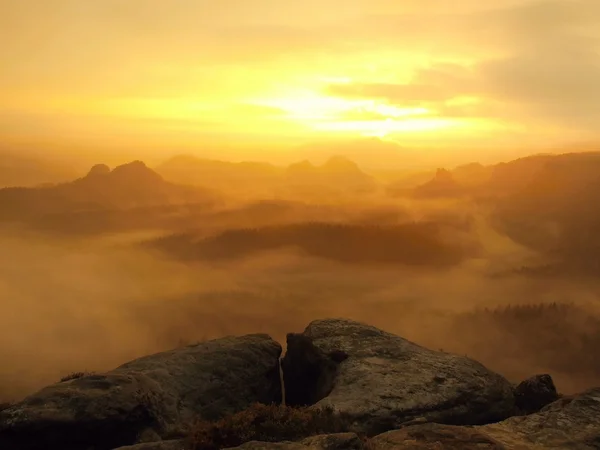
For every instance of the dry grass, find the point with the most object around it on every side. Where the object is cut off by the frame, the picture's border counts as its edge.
(75, 375)
(267, 423)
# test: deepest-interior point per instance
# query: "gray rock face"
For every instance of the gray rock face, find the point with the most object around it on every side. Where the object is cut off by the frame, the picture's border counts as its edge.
(342, 441)
(569, 424)
(534, 393)
(110, 410)
(435, 436)
(387, 381)
(162, 445)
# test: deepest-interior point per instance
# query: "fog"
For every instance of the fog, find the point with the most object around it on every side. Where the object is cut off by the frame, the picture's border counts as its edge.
(95, 273)
(90, 304)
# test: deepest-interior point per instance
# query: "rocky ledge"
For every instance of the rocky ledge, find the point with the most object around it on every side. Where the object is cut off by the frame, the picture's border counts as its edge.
(387, 393)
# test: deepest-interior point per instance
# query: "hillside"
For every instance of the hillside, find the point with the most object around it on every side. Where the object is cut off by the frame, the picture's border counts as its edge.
(420, 244)
(219, 175)
(443, 185)
(555, 212)
(337, 172)
(127, 186)
(338, 175)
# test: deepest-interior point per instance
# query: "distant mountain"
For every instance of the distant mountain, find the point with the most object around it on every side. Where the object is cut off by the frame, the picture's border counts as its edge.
(127, 186)
(28, 171)
(370, 153)
(488, 181)
(338, 174)
(473, 174)
(555, 209)
(443, 185)
(221, 175)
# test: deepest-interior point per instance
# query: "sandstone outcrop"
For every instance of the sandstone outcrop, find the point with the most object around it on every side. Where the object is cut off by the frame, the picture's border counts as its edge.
(106, 411)
(386, 381)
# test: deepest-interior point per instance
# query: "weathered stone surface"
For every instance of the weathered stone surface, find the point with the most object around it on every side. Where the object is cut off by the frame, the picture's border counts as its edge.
(534, 393)
(435, 437)
(387, 380)
(342, 441)
(570, 424)
(162, 445)
(216, 378)
(110, 410)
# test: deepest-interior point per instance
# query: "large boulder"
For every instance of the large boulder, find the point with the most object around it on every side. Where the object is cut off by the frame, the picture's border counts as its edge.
(534, 393)
(572, 423)
(569, 423)
(157, 392)
(385, 381)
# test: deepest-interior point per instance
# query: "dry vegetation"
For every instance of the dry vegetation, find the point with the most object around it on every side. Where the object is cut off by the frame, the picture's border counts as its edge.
(75, 376)
(266, 423)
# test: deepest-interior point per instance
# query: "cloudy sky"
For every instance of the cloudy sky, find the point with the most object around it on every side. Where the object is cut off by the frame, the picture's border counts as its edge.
(428, 74)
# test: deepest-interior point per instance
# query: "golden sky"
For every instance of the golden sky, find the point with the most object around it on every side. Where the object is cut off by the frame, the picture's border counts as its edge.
(165, 74)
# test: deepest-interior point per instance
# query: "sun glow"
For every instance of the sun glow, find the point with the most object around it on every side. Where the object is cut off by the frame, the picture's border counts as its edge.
(382, 128)
(365, 117)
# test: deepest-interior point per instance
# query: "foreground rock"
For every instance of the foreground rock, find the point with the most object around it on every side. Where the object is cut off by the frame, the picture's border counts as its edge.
(162, 445)
(572, 423)
(106, 411)
(534, 393)
(384, 381)
(435, 437)
(342, 441)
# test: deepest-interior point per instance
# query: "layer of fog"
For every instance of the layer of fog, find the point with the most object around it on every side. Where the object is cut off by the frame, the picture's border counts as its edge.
(92, 304)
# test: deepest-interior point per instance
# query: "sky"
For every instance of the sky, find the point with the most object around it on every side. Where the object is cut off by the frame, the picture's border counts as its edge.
(266, 75)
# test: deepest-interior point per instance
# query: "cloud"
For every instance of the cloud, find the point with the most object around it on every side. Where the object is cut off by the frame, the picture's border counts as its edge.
(529, 62)
(548, 71)
(395, 93)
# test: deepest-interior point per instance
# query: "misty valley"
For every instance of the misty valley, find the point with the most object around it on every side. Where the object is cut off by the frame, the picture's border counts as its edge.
(496, 262)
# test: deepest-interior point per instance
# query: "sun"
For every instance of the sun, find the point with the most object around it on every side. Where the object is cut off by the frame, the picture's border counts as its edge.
(363, 117)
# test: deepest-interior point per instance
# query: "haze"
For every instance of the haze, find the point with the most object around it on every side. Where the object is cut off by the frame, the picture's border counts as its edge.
(252, 79)
(172, 172)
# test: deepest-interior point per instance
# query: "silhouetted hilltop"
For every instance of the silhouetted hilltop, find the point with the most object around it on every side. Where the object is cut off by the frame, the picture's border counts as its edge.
(555, 211)
(442, 185)
(338, 172)
(341, 164)
(337, 175)
(302, 169)
(127, 186)
(219, 174)
(472, 174)
(503, 179)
